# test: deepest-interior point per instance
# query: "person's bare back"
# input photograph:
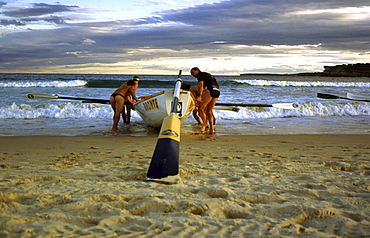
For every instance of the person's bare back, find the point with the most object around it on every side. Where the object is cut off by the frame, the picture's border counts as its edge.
(117, 101)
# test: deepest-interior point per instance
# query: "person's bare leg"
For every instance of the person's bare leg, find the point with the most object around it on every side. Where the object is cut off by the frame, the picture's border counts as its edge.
(119, 107)
(202, 109)
(128, 114)
(210, 117)
(196, 117)
(203, 116)
(113, 105)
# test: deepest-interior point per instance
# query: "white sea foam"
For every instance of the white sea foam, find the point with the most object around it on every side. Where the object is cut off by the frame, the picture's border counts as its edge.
(310, 109)
(258, 82)
(96, 111)
(43, 84)
(20, 116)
(60, 111)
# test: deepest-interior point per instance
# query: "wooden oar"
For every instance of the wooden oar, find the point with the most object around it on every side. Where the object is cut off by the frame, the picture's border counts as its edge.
(349, 96)
(277, 105)
(57, 96)
(329, 96)
(165, 159)
(219, 106)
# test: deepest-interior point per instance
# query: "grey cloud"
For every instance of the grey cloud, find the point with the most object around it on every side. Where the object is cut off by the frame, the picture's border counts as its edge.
(4, 22)
(52, 19)
(144, 21)
(253, 22)
(237, 22)
(24, 21)
(38, 9)
(267, 22)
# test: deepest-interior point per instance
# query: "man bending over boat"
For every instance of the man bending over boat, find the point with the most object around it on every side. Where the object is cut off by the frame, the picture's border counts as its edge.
(209, 93)
(117, 101)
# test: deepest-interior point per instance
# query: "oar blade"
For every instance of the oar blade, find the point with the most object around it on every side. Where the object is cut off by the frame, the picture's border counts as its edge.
(349, 96)
(40, 96)
(227, 108)
(165, 160)
(288, 106)
(358, 97)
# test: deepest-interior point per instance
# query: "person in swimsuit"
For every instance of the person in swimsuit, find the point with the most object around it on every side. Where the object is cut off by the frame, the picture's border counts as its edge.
(126, 115)
(209, 92)
(118, 99)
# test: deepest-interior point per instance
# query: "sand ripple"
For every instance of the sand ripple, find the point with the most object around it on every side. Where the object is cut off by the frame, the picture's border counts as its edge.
(315, 190)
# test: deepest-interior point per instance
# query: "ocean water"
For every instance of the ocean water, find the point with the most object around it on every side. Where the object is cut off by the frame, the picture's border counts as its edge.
(21, 117)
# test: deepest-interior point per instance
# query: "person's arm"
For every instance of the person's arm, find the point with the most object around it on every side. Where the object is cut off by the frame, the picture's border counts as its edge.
(194, 90)
(133, 93)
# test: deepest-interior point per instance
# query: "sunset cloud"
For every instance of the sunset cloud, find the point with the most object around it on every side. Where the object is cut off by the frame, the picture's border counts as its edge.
(309, 33)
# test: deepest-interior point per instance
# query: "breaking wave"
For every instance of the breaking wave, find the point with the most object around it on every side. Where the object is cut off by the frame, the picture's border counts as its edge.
(43, 84)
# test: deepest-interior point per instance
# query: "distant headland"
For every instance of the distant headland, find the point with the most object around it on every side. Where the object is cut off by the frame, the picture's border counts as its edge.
(345, 70)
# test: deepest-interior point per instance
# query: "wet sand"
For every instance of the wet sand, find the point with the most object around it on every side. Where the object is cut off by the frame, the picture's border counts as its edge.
(230, 186)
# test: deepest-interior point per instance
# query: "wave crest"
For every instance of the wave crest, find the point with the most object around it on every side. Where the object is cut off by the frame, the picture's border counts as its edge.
(43, 84)
(258, 82)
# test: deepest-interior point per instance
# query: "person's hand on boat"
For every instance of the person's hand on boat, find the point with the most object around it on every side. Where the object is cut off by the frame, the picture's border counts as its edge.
(144, 97)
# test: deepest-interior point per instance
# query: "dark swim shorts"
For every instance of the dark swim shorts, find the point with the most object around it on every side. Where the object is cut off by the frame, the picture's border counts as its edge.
(214, 90)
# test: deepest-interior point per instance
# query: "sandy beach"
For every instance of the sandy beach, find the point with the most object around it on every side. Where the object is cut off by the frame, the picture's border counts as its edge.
(230, 186)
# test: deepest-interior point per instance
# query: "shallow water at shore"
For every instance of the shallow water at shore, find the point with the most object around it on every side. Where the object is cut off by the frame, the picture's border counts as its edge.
(19, 116)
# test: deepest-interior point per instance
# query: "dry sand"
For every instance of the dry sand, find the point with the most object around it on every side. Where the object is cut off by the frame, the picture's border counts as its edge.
(231, 186)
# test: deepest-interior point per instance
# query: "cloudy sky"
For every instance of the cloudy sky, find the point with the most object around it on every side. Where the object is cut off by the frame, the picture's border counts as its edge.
(163, 36)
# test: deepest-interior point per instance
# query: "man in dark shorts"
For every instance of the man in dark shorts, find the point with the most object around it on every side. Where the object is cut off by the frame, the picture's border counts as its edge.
(209, 92)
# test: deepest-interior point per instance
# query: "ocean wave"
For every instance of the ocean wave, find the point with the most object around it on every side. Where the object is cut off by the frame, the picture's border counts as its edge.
(57, 111)
(308, 109)
(258, 82)
(99, 111)
(43, 84)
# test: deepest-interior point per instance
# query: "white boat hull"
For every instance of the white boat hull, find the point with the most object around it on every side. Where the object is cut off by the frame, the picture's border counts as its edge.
(158, 106)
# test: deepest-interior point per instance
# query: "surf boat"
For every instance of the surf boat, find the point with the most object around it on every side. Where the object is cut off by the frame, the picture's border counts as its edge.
(154, 108)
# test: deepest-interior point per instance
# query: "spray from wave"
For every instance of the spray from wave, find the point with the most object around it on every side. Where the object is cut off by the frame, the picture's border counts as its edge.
(41, 84)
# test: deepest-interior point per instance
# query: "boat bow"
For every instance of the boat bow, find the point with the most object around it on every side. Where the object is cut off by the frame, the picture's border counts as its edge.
(154, 108)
